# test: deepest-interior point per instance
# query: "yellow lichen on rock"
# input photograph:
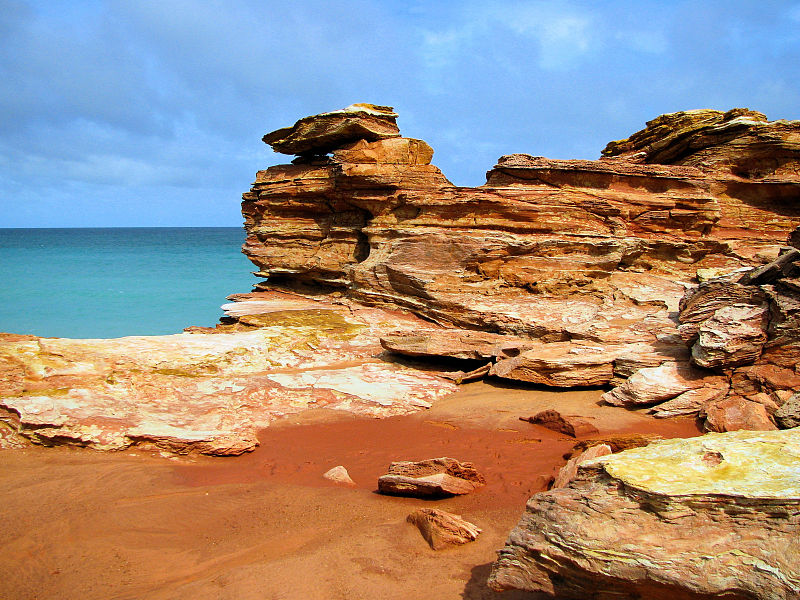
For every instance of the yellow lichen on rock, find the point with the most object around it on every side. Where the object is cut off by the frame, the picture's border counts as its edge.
(760, 464)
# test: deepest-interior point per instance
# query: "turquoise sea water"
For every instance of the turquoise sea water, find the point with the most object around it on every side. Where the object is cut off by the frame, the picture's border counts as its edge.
(112, 282)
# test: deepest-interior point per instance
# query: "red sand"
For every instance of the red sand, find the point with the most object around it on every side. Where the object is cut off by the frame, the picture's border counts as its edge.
(79, 524)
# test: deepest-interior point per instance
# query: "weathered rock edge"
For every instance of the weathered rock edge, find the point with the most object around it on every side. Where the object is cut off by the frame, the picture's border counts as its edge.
(561, 273)
(708, 517)
(208, 392)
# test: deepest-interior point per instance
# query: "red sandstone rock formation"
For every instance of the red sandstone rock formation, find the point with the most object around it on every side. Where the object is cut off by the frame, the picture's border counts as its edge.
(442, 529)
(431, 478)
(562, 272)
(686, 519)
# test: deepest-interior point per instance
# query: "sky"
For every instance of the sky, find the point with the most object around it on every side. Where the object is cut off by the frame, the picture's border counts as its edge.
(151, 112)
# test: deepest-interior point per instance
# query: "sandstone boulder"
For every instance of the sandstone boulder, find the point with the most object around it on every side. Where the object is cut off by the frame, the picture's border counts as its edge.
(561, 364)
(735, 413)
(568, 472)
(690, 519)
(701, 303)
(740, 141)
(653, 385)
(690, 403)
(319, 134)
(442, 529)
(339, 475)
(734, 336)
(431, 478)
(567, 424)
(748, 329)
(788, 415)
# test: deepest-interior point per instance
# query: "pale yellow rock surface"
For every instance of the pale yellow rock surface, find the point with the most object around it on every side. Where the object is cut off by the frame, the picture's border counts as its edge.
(689, 519)
(210, 392)
(755, 464)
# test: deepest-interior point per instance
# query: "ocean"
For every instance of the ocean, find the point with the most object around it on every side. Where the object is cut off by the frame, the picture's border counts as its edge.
(114, 282)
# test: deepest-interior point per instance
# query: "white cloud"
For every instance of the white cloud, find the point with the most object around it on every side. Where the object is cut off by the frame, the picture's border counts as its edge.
(561, 36)
(562, 33)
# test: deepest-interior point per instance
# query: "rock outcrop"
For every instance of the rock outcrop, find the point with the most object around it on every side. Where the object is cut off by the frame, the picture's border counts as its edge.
(319, 134)
(740, 141)
(431, 478)
(686, 519)
(555, 272)
(210, 391)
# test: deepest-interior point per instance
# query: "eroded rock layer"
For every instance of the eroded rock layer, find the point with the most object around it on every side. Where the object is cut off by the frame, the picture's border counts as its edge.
(378, 220)
(740, 141)
(561, 272)
(686, 519)
(209, 391)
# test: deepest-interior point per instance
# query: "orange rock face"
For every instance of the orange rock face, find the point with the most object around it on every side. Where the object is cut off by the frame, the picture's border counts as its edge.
(578, 265)
(209, 392)
(740, 141)
(615, 235)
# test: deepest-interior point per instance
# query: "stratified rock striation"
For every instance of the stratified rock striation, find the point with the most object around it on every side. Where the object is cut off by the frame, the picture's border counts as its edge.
(740, 141)
(563, 273)
(210, 391)
(687, 519)
(319, 134)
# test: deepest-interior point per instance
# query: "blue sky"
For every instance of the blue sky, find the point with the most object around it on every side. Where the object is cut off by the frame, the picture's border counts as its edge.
(150, 113)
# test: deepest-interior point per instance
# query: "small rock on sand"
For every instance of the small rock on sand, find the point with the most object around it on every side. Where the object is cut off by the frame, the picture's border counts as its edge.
(431, 478)
(441, 528)
(339, 475)
(566, 424)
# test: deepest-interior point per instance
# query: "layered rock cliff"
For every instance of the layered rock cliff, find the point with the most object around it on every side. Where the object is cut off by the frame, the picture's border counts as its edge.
(588, 259)
(665, 269)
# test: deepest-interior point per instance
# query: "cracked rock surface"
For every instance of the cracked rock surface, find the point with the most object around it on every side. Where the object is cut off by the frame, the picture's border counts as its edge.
(689, 519)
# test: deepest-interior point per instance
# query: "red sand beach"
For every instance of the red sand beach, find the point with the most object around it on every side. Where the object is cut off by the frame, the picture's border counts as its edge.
(80, 524)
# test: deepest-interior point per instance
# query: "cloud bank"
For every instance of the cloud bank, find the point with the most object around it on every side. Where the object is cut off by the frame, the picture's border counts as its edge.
(150, 113)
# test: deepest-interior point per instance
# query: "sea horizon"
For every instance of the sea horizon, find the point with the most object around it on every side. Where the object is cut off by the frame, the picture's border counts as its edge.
(136, 227)
(103, 282)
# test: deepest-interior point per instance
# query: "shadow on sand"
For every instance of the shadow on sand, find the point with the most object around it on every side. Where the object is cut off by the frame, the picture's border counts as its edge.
(476, 588)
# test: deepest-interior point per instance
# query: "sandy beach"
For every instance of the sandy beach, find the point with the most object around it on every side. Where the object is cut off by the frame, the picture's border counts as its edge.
(80, 524)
